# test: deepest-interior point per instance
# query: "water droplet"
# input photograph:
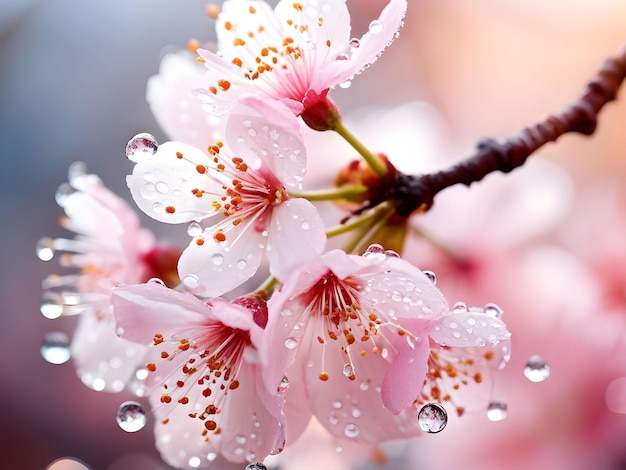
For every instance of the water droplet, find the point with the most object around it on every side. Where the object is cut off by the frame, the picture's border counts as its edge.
(291, 343)
(348, 370)
(191, 281)
(305, 225)
(537, 369)
(459, 307)
(194, 229)
(45, 249)
(432, 418)
(432, 276)
(345, 84)
(256, 466)
(55, 348)
(141, 147)
(493, 310)
(356, 412)
(284, 384)
(211, 456)
(241, 264)
(496, 411)
(252, 132)
(341, 57)
(194, 461)
(354, 42)
(51, 309)
(240, 439)
(67, 463)
(376, 27)
(137, 384)
(337, 404)
(162, 187)
(392, 254)
(156, 280)
(351, 430)
(131, 416)
(286, 312)
(217, 259)
(615, 395)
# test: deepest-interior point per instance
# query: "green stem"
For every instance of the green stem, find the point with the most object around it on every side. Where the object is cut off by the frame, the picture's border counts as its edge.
(373, 214)
(372, 160)
(346, 191)
(368, 235)
(268, 286)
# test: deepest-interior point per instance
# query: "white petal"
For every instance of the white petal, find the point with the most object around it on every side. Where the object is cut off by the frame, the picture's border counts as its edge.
(296, 236)
(213, 268)
(165, 186)
(469, 329)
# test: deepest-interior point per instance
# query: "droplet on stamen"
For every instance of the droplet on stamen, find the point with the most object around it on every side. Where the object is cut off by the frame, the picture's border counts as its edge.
(141, 147)
(55, 348)
(45, 249)
(497, 410)
(432, 418)
(537, 369)
(131, 416)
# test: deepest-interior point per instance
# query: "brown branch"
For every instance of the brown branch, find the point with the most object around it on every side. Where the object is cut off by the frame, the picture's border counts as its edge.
(413, 192)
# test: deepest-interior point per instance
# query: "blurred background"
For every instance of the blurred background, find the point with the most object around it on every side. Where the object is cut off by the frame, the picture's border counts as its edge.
(72, 87)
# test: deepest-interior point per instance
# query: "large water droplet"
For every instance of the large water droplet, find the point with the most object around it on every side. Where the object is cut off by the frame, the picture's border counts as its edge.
(537, 369)
(55, 348)
(45, 249)
(291, 343)
(51, 309)
(141, 147)
(496, 411)
(376, 27)
(351, 430)
(131, 416)
(194, 229)
(256, 466)
(432, 418)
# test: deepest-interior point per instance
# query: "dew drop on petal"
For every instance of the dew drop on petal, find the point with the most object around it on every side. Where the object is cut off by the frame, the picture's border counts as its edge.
(459, 307)
(493, 310)
(284, 384)
(256, 466)
(131, 416)
(375, 27)
(291, 343)
(496, 411)
(351, 430)
(217, 259)
(211, 456)
(537, 369)
(432, 276)
(191, 281)
(354, 42)
(155, 280)
(432, 418)
(51, 309)
(345, 85)
(194, 229)
(141, 147)
(392, 254)
(55, 348)
(194, 461)
(348, 370)
(45, 249)
(241, 264)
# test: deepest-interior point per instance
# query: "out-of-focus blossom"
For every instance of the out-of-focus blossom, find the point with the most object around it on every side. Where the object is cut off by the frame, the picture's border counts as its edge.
(293, 54)
(239, 194)
(206, 385)
(109, 248)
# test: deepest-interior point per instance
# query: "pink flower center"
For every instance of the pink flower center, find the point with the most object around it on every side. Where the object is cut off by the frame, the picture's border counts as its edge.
(205, 374)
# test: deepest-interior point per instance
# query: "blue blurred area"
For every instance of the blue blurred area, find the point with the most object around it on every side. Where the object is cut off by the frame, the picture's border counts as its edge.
(72, 87)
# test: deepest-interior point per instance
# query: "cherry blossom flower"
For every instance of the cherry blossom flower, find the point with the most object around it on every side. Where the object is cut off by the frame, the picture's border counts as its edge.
(293, 54)
(206, 386)
(355, 330)
(239, 195)
(110, 247)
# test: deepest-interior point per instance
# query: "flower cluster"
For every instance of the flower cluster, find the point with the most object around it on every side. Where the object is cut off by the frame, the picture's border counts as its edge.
(357, 338)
